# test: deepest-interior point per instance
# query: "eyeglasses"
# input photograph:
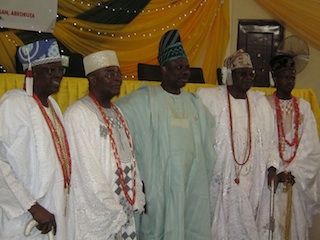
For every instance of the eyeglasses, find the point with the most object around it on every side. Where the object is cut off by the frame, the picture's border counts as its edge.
(54, 71)
(113, 75)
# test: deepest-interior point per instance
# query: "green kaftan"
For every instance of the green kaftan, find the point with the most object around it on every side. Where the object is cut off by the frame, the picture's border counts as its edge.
(172, 137)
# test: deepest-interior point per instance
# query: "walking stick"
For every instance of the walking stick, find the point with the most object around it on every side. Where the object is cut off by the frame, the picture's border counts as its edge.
(271, 212)
(287, 231)
(31, 224)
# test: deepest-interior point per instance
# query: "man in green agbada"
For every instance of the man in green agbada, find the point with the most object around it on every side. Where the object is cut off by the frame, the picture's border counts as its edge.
(172, 138)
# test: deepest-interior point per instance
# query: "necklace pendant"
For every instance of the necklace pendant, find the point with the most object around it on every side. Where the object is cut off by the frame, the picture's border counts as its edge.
(237, 180)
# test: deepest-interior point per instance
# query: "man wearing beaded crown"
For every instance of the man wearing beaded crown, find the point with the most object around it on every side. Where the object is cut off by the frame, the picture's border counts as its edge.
(106, 188)
(242, 141)
(295, 166)
(35, 164)
(173, 145)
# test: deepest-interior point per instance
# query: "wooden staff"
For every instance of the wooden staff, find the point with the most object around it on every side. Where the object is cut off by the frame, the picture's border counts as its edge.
(271, 212)
(287, 231)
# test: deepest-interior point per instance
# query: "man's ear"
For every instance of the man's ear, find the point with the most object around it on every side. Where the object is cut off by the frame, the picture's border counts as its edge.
(163, 69)
(271, 79)
(92, 80)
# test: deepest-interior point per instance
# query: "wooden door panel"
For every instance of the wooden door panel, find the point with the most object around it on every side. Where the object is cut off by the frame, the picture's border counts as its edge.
(260, 39)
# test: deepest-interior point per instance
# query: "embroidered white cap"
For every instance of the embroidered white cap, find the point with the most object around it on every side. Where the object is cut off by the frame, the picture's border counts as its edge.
(240, 59)
(98, 60)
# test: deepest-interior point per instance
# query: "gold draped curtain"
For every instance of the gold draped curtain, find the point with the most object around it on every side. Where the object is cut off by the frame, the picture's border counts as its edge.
(203, 25)
(302, 16)
(8, 46)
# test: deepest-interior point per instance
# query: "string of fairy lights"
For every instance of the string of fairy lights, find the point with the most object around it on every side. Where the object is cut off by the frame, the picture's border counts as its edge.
(150, 32)
(148, 10)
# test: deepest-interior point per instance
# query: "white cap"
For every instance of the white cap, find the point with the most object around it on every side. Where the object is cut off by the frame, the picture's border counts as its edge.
(99, 60)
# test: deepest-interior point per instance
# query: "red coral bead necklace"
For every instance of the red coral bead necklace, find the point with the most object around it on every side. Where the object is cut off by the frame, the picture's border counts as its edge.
(60, 142)
(281, 133)
(241, 164)
(115, 149)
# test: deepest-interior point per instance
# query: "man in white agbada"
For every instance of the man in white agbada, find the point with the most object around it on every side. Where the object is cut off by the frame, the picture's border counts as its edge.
(242, 138)
(295, 166)
(106, 188)
(34, 159)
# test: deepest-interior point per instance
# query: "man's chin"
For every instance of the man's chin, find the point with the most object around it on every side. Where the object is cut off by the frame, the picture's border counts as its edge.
(247, 86)
(182, 83)
(116, 93)
(289, 89)
(55, 89)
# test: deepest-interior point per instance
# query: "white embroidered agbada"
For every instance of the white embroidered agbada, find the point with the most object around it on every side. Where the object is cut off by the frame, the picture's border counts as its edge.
(234, 206)
(98, 208)
(305, 167)
(29, 167)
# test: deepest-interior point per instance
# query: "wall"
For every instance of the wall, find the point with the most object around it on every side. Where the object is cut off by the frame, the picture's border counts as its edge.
(250, 9)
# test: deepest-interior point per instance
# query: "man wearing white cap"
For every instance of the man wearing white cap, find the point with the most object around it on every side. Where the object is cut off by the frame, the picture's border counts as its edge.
(173, 146)
(242, 141)
(35, 163)
(105, 186)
